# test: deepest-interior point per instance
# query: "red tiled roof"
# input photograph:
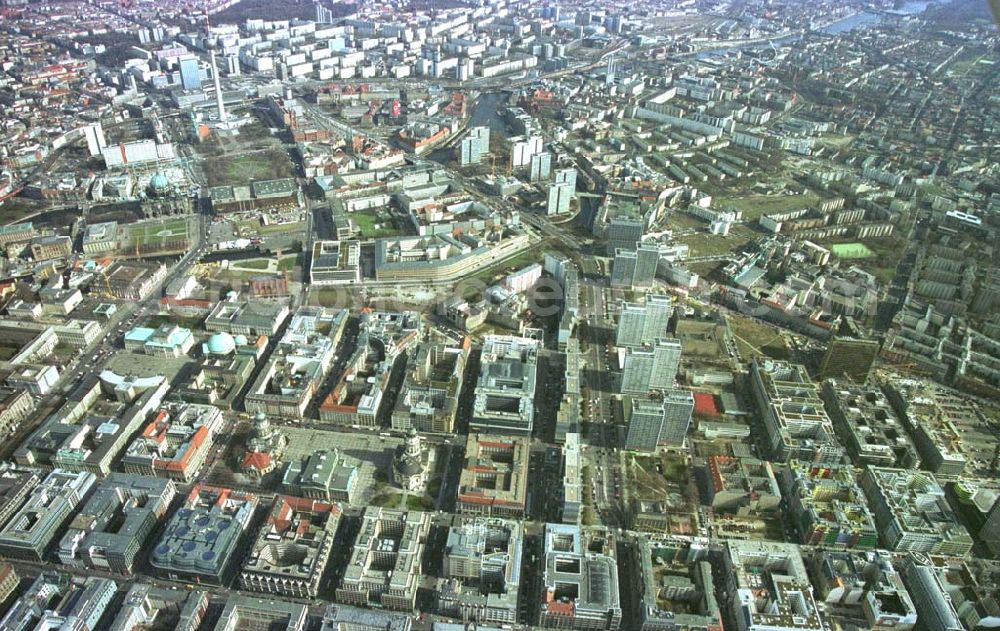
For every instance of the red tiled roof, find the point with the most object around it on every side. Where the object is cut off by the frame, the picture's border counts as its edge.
(256, 460)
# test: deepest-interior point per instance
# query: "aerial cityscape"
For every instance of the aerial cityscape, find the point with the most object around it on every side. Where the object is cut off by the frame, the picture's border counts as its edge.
(482, 315)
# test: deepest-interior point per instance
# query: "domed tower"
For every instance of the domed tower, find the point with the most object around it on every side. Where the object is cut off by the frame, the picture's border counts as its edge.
(159, 185)
(409, 467)
(265, 437)
(264, 449)
(261, 426)
(413, 443)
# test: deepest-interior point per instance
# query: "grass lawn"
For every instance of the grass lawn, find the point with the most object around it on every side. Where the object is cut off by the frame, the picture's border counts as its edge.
(756, 205)
(706, 244)
(258, 264)
(682, 221)
(756, 338)
(881, 258)
(523, 259)
(387, 499)
(16, 208)
(153, 233)
(249, 227)
(288, 263)
(372, 226)
(275, 228)
(419, 502)
(851, 251)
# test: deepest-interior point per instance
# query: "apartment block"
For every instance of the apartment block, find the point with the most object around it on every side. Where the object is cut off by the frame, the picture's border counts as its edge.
(796, 422)
(504, 400)
(384, 566)
(292, 548)
(494, 480)
(482, 570)
(912, 514)
(50, 505)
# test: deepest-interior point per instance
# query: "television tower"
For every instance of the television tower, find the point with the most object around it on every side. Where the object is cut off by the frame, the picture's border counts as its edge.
(218, 90)
(223, 117)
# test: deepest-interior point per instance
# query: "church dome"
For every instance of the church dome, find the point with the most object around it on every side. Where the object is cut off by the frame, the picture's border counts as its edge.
(159, 183)
(221, 344)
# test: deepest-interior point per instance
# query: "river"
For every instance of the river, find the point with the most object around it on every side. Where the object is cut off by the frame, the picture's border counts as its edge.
(486, 111)
(858, 20)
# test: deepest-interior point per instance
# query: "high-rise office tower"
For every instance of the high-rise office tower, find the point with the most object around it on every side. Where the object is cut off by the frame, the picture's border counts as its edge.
(644, 418)
(990, 532)
(566, 176)
(662, 419)
(643, 323)
(647, 258)
(666, 362)
(678, 406)
(649, 368)
(559, 198)
(623, 233)
(540, 167)
(623, 268)
(190, 73)
(659, 308)
(474, 146)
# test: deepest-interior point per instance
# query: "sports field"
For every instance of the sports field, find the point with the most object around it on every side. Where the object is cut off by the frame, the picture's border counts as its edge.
(851, 251)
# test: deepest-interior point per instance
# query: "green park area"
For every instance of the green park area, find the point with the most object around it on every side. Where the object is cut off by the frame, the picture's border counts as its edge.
(754, 206)
(851, 251)
(372, 226)
(154, 234)
(236, 169)
(754, 338)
